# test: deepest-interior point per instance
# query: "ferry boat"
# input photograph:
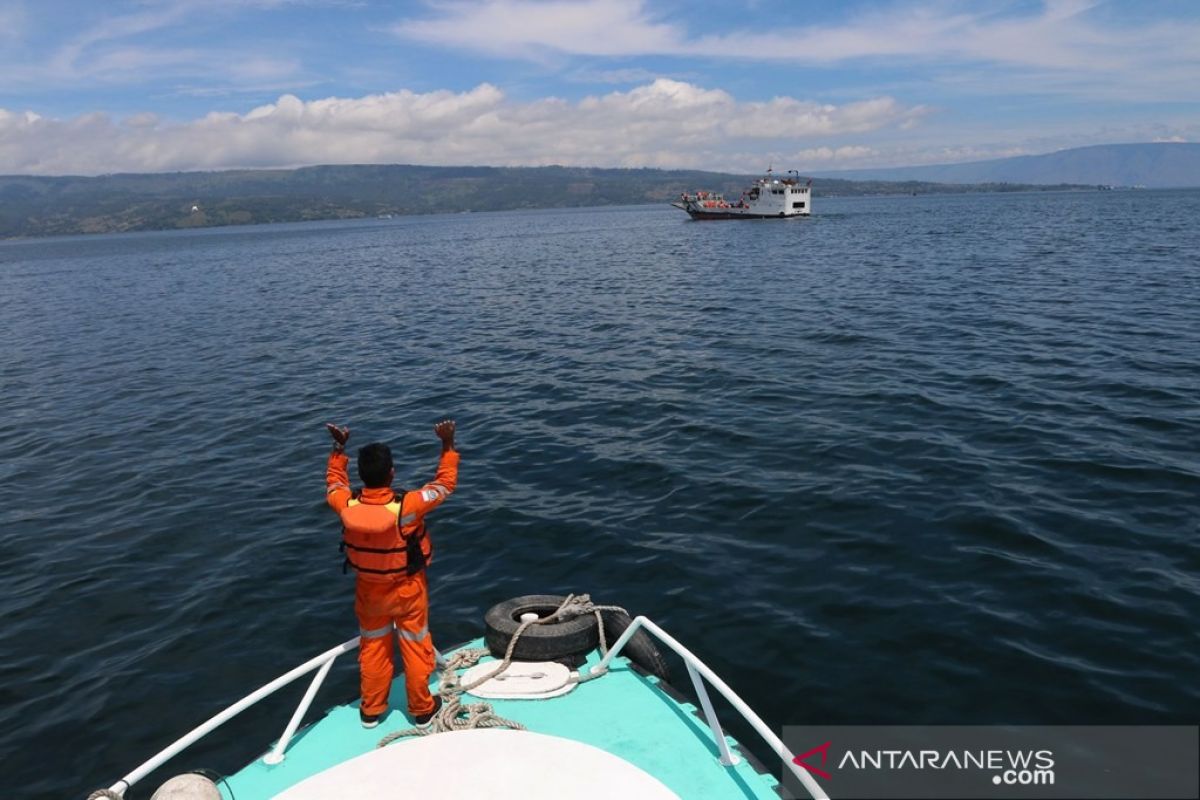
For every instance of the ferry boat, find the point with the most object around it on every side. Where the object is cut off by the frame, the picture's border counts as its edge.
(560, 698)
(768, 198)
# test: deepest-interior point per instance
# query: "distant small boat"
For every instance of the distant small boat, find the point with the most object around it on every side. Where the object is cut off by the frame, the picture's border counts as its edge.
(768, 198)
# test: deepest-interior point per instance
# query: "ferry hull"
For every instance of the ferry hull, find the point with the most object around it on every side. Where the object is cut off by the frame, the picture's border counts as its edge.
(733, 215)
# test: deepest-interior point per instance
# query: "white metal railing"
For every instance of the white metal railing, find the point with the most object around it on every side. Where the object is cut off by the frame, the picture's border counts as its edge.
(697, 668)
(322, 664)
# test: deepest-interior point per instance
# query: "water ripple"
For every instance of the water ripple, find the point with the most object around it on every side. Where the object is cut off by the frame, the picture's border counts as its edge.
(910, 460)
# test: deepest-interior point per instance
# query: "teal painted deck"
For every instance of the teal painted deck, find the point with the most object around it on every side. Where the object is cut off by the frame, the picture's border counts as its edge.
(623, 713)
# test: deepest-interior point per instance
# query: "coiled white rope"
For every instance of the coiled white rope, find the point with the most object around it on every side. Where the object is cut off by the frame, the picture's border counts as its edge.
(450, 717)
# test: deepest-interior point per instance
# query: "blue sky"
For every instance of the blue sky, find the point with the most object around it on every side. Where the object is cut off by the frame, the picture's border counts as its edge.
(148, 85)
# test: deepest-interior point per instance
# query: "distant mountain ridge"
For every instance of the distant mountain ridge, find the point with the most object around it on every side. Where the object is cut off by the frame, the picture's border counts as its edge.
(1154, 165)
(49, 206)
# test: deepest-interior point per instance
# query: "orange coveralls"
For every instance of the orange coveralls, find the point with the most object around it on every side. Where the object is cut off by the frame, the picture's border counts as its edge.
(381, 603)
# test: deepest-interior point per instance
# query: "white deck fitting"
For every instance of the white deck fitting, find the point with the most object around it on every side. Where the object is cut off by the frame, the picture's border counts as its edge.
(496, 764)
(523, 680)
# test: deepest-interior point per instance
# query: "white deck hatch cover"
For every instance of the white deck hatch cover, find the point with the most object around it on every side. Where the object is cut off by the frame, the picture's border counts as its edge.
(523, 680)
(496, 764)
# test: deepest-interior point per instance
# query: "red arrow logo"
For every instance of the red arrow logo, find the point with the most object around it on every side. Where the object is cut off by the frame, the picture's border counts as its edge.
(824, 751)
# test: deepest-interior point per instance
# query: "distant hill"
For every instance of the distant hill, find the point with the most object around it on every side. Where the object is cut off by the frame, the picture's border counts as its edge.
(48, 206)
(1157, 165)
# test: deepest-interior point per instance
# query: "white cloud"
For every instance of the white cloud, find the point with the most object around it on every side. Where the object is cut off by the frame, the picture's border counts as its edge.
(665, 123)
(623, 75)
(13, 20)
(132, 62)
(70, 60)
(1061, 36)
(829, 157)
(985, 144)
(516, 27)
(124, 48)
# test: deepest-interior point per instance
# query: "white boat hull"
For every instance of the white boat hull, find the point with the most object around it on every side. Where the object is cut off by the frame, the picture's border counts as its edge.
(735, 213)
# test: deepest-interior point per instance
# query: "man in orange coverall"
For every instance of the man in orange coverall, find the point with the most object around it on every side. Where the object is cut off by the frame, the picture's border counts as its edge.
(386, 543)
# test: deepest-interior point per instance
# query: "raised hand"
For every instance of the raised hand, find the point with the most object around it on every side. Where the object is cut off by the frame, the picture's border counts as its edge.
(445, 432)
(340, 435)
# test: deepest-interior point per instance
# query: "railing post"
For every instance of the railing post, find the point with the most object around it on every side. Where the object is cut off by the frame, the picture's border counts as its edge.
(618, 645)
(739, 705)
(727, 758)
(220, 719)
(276, 756)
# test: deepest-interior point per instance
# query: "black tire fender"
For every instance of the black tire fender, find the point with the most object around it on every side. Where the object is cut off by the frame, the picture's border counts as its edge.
(640, 648)
(547, 642)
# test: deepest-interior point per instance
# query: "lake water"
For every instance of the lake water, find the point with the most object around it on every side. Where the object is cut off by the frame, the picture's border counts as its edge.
(912, 460)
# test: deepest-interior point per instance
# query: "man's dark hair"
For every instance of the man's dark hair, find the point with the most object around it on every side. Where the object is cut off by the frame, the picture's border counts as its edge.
(375, 465)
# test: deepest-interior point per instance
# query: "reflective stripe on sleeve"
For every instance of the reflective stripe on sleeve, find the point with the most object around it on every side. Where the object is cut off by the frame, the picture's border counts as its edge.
(408, 519)
(376, 632)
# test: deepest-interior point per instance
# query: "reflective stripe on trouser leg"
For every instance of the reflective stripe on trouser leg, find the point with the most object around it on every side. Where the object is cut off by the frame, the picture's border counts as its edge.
(375, 671)
(416, 645)
(414, 636)
(376, 653)
(376, 632)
